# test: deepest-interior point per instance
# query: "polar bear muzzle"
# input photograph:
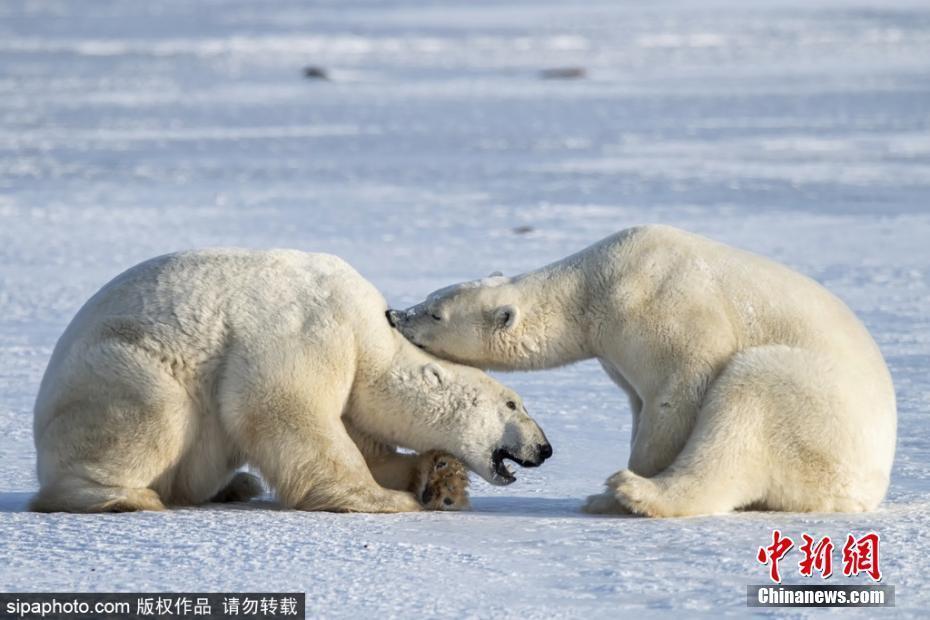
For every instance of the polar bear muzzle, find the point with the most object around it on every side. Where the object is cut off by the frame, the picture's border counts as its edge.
(503, 475)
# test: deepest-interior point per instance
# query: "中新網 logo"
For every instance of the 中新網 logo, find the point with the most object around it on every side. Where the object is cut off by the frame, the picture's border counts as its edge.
(860, 555)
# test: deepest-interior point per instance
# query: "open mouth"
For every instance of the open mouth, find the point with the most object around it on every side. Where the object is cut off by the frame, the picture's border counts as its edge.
(502, 474)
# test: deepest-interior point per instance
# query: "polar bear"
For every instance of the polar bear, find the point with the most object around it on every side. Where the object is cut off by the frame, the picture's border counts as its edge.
(750, 384)
(190, 365)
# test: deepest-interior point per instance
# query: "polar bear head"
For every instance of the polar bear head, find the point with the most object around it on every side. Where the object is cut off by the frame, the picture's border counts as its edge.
(469, 414)
(476, 323)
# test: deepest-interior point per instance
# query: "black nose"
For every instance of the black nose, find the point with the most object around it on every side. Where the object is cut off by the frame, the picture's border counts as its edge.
(545, 451)
(391, 317)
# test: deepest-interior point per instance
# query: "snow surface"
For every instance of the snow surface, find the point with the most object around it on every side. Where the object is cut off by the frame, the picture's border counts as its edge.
(798, 129)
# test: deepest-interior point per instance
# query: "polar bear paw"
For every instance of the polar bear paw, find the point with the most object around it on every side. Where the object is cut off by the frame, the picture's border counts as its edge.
(637, 494)
(604, 504)
(440, 482)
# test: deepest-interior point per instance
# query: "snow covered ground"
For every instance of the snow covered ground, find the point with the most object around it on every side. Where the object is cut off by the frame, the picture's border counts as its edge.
(797, 129)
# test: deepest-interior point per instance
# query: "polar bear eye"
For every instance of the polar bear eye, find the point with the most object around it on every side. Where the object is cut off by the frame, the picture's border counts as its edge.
(436, 317)
(511, 404)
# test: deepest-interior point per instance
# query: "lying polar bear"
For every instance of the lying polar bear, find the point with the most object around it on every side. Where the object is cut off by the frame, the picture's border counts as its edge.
(750, 384)
(190, 365)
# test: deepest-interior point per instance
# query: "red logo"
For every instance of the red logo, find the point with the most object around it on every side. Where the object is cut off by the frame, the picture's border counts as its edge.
(860, 555)
(817, 557)
(773, 553)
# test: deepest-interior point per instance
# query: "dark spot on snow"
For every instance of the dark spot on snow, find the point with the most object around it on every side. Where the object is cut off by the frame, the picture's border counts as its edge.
(315, 73)
(563, 73)
(522, 230)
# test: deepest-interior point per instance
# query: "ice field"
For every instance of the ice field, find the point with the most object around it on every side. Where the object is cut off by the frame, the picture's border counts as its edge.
(435, 152)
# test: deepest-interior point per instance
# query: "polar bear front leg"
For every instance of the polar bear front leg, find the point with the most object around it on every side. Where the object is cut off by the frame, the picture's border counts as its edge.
(664, 425)
(390, 468)
(440, 482)
(636, 403)
(332, 475)
(662, 429)
(605, 503)
(437, 479)
(303, 450)
(725, 464)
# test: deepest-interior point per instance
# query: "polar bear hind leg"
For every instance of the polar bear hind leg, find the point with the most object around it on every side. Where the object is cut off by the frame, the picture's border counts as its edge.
(81, 495)
(763, 438)
(112, 441)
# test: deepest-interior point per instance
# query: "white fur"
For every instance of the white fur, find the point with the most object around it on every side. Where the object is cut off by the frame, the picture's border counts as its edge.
(190, 365)
(750, 384)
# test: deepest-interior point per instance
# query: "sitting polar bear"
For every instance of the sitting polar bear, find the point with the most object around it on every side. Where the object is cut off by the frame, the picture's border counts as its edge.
(750, 384)
(188, 366)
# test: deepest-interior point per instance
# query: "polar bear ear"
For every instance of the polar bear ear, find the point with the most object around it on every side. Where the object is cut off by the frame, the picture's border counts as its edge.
(506, 317)
(434, 374)
(495, 274)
